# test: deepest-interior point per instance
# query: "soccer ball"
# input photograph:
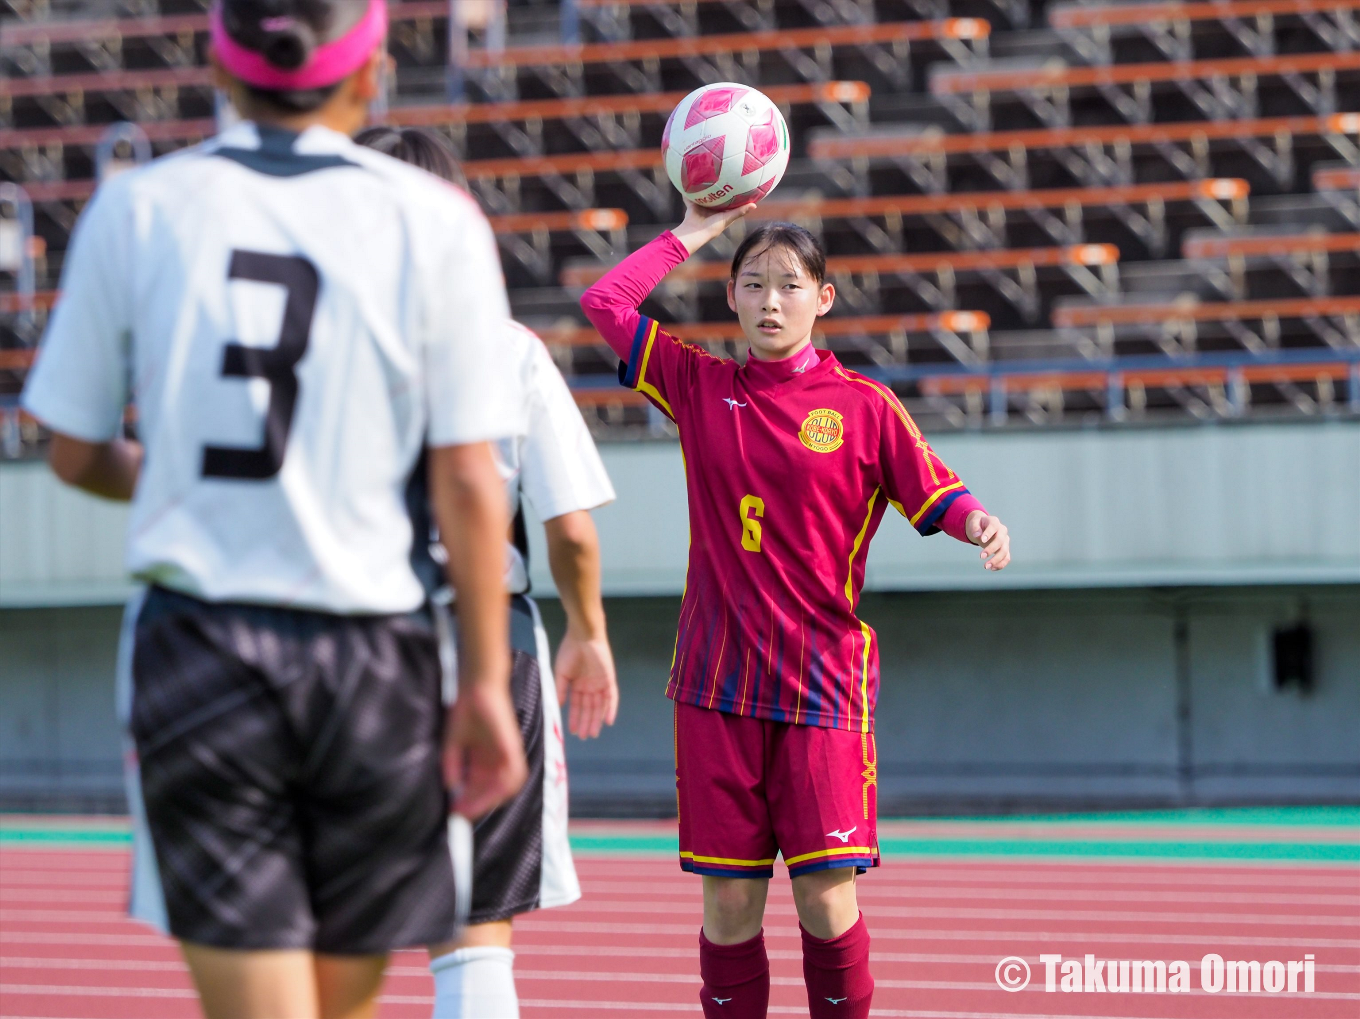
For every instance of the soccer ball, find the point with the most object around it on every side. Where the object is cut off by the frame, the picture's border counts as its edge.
(725, 145)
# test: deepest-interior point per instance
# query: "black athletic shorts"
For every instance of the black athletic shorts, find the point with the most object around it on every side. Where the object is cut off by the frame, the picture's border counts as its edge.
(290, 769)
(508, 843)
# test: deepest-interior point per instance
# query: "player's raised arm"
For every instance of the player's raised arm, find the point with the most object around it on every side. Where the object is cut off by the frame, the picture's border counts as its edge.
(930, 495)
(612, 303)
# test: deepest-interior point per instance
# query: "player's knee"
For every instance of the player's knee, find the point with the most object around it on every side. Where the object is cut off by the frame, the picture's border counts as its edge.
(826, 902)
(733, 908)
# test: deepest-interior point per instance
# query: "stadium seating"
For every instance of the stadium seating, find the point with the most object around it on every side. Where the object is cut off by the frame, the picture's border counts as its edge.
(1156, 218)
(1167, 24)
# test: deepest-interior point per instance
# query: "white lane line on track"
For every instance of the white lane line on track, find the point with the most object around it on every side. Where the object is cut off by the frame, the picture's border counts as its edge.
(418, 972)
(553, 926)
(872, 890)
(780, 909)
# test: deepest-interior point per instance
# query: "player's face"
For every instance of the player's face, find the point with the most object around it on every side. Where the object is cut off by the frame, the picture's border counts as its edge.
(777, 302)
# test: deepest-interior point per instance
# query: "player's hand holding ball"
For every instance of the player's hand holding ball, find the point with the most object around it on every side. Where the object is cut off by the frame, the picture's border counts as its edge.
(726, 147)
(992, 536)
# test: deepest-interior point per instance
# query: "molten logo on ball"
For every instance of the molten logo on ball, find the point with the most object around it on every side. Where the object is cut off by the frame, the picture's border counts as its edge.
(725, 145)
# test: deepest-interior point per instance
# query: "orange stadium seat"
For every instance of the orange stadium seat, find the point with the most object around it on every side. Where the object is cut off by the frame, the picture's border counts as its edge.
(924, 154)
(1088, 28)
(1175, 326)
(1206, 195)
(1047, 89)
(1270, 245)
(563, 65)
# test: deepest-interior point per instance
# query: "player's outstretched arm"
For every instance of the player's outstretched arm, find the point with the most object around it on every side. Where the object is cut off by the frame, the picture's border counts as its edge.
(483, 754)
(584, 668)
(992, 536)
(107, 469)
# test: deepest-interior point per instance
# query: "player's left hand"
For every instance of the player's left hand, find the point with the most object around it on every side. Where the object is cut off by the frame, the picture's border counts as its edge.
(992, 535)
(587, 682)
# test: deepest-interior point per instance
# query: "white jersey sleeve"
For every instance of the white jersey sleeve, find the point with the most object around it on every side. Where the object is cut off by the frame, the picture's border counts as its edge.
(561, 470)
(79, 386)
(472, 388)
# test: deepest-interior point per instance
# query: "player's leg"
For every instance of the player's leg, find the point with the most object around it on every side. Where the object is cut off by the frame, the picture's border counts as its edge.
(824, 807)
(253, 985)
(348, 985)
(474, 974)
(474, 977)
(725, 835)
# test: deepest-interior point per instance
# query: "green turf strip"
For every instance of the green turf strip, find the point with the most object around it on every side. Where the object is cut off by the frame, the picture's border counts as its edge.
(19, 832)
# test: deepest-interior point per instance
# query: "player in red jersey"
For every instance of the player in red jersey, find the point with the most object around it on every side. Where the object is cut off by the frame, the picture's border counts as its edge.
(791, 461)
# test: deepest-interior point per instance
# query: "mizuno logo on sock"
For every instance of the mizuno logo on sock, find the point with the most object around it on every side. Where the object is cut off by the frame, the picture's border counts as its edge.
(835, 1001)
(724, 1001)
(844, 836)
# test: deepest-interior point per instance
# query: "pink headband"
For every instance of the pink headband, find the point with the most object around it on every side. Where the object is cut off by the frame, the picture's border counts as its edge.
(327, 65)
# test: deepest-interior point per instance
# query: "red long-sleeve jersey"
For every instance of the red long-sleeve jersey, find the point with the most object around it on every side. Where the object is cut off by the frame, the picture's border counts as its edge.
(789, 468)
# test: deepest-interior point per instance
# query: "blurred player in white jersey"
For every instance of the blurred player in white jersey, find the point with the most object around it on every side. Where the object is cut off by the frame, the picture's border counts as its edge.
(296, 319)
(522, 859)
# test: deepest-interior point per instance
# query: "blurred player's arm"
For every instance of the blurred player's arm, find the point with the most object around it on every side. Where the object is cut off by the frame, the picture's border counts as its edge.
(564, 478)
(484, 758)
(107, 469)
(79, 386)
(931, 496)
(584, 668)
(474, 397)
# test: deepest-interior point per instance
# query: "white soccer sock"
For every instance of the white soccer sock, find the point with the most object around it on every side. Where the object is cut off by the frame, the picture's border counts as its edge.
(475, 983)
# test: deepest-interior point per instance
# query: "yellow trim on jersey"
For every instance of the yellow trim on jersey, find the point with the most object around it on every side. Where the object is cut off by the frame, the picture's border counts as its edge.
(723, 860)
(822, 853)
(864, 677)
(918, 440)
(642, 385)
(931, 501)
(854, 551)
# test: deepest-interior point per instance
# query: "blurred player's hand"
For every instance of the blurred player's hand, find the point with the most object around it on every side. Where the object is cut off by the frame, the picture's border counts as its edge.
(483, 753)
(587, 682)
(702, 225)
(992, 535)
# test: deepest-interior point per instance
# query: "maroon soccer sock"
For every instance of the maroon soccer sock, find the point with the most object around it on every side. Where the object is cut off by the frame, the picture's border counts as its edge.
(736, 979)
(837, 974)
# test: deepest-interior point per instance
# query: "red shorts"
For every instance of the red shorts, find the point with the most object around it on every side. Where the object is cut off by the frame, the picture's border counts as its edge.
(749, 789)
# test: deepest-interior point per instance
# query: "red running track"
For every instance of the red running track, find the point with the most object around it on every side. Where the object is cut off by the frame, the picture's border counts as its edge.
(628, 949)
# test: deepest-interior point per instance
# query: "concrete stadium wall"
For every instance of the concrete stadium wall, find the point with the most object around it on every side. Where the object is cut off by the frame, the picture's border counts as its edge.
(990, 701)
(1249, 504)
(1123, 659)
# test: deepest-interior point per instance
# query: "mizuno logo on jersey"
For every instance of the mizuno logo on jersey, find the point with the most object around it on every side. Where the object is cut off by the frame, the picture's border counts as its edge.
(844, 836)
(731, 405)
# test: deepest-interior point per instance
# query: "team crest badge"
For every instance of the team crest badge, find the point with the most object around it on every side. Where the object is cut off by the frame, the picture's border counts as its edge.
(823, 430)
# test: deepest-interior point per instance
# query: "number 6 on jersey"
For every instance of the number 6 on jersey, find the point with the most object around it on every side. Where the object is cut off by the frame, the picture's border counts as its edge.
(751, 506)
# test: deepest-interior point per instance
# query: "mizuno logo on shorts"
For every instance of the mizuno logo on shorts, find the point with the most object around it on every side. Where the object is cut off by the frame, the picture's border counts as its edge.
(844, 836)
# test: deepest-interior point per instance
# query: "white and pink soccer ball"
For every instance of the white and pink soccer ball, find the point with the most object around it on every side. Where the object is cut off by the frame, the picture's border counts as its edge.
(725, 145)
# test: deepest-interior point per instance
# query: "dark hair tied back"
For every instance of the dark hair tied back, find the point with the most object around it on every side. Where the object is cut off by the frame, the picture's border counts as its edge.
(287, 42)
